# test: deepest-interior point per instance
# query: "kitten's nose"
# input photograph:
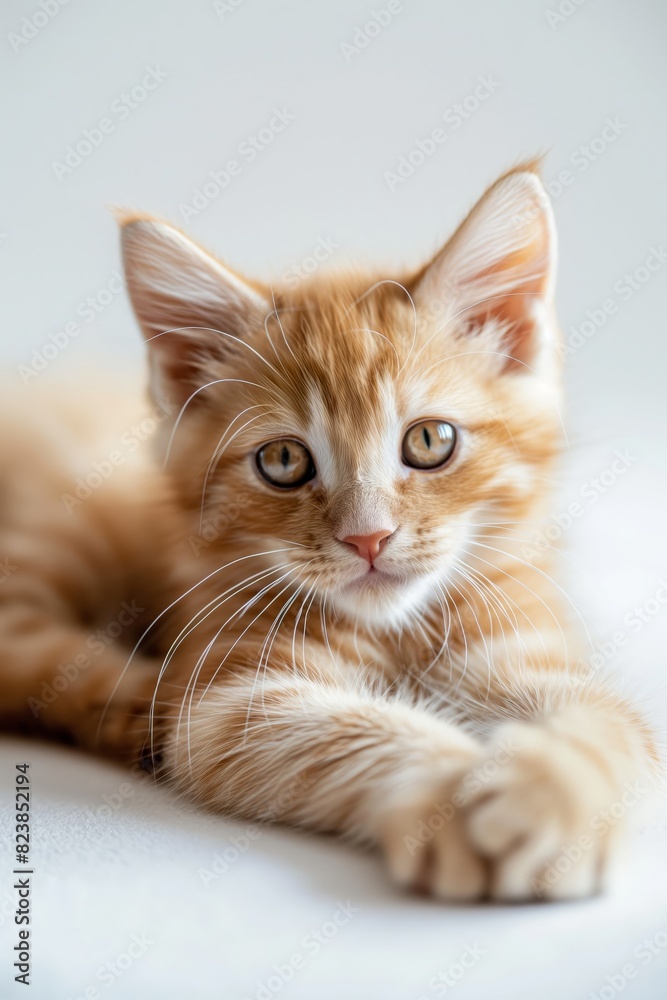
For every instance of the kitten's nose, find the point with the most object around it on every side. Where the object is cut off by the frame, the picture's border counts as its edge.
(368, 546)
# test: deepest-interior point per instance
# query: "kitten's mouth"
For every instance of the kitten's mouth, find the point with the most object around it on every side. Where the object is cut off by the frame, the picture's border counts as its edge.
(375, 579)
(381, 596)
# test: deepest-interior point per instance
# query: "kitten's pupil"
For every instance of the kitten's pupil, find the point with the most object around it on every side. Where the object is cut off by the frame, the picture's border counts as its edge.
(428, 445)
(285, 463)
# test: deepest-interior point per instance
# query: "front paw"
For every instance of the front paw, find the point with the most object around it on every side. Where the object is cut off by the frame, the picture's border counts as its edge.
(535, 815)
(426, 843)
(547, 820)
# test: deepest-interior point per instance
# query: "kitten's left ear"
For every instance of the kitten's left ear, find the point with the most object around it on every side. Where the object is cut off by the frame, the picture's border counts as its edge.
(500, 266)
(191, 308)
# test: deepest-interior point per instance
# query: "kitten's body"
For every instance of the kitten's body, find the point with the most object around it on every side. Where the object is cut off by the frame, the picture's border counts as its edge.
(280, 677)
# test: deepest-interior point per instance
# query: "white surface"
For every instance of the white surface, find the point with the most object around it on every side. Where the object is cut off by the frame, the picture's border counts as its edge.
(101, 879)
(108, 868)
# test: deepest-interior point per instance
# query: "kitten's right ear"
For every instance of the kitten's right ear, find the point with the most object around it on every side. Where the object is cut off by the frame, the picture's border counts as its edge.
(500, 267)
(191, 308)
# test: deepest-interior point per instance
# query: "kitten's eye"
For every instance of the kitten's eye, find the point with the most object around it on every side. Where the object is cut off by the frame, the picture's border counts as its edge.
(285, 463)
(428, 444)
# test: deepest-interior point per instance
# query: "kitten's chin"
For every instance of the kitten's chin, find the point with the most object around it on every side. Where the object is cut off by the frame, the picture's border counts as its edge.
(382, 599)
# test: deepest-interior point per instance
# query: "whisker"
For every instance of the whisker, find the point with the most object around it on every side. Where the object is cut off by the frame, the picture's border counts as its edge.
(217, 381)
(192, 684)
(546, 576)
(160, 616)
(212, 607)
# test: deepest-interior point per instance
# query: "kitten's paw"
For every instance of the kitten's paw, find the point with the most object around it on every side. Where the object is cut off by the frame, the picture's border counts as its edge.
(426, 843)
(543, 820)
(533, 816)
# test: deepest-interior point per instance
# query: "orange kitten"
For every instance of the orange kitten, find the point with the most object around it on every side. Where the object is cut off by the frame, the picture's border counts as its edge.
(337, 627)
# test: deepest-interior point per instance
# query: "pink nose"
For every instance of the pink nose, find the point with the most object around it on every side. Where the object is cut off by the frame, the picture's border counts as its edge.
(368, 546)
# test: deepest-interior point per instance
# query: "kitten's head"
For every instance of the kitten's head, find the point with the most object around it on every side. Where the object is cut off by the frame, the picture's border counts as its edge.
(362, 429)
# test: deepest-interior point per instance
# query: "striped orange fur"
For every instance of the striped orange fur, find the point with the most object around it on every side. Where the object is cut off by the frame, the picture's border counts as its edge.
(426, 695)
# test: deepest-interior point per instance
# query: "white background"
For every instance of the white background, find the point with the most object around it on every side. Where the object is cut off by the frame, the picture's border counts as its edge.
(324, 177)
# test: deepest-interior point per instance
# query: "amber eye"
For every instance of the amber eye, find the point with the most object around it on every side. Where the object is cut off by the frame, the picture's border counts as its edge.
(285, 463)
(429, 444)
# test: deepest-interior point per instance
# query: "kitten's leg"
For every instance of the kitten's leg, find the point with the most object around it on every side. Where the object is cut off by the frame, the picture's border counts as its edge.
(54, 681)
(310, 751)
(581, 769)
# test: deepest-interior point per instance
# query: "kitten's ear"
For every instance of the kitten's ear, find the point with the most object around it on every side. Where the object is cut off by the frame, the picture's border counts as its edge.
(190, 307)
(500, 266)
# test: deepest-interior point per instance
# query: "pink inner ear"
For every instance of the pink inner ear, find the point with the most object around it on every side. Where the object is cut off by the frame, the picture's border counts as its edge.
(498, 266)
(191, 308)
(176, 360)
(515, 305)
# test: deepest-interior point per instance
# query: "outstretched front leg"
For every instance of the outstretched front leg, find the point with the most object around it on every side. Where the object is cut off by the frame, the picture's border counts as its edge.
(535, 811)
(309, 748)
